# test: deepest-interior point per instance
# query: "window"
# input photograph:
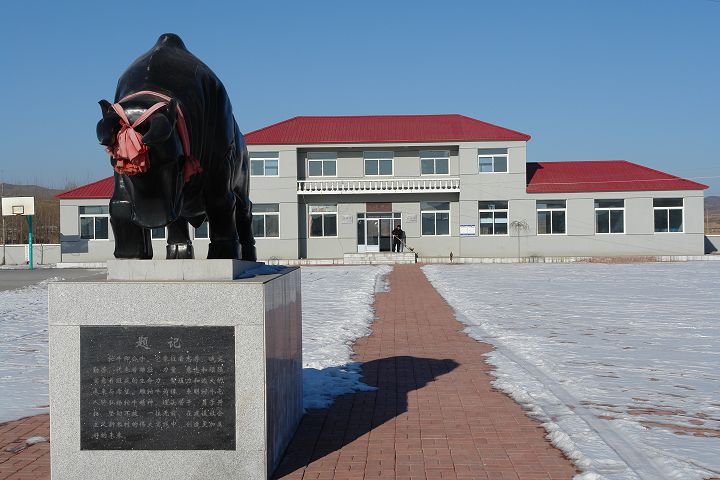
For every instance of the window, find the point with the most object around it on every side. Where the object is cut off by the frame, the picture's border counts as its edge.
(668, 214)
(492, 160)
(266, 220)
(323, 220)
(322, 164)
(378, 163)
(94, 222)
(434, 162)
(435, 218)
(609, 216)
(493, 218)
(158, 233)
(203, 231)
(551, 217)
(264, 164)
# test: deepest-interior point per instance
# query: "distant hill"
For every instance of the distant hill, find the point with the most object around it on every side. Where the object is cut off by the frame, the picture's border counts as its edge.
(12, 190)
(712, 203)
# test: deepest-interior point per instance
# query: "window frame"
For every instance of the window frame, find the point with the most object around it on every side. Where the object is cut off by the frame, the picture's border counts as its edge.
(377, 160)
(435, 220)
(194, 231)
(493, 156)
(322, 161)
(264, 159)
(434, 159)
(165, 234)
(264, 215)
(610, 210)
(551, 210)
(682, 214)
(505, 210)
(94, 216)
(323, 214)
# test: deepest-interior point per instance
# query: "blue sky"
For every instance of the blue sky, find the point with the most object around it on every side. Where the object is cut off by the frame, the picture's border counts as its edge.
(612, 79)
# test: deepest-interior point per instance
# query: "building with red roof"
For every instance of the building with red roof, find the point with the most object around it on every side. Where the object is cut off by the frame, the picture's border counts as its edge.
(333, 187)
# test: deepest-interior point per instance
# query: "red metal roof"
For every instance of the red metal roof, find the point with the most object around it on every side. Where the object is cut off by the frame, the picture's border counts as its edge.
(601, 176)
(380, 129)
(100, 189)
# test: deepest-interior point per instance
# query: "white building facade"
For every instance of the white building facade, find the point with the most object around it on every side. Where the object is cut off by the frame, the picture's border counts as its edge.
(324, 187)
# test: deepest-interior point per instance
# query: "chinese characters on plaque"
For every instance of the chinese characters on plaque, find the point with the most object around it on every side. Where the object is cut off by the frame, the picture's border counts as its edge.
(157, 388)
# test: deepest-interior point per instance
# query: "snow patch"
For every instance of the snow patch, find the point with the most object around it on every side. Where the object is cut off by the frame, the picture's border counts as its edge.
(337, 310)
(34, 440)
(23, 352)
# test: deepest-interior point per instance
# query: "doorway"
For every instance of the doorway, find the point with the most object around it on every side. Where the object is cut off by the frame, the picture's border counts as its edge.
(374, 231)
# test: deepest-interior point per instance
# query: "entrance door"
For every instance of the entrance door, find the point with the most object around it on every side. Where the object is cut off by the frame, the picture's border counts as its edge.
(386, 228)
(374, 231)
(368, 235)
(372, 235)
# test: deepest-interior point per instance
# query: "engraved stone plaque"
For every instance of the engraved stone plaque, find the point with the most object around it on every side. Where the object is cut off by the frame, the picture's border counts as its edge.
(157, 388)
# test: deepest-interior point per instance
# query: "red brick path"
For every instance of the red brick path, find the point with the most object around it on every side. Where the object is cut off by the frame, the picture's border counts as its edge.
(434, 415)
(32, 462)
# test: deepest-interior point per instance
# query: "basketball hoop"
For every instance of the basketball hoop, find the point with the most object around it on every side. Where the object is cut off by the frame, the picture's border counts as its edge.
(21, 207)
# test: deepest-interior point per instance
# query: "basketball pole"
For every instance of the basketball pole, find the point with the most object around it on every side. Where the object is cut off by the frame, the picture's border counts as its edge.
(30, 249)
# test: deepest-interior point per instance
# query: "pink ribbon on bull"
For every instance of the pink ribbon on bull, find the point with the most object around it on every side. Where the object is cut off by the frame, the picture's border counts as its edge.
(131, 154)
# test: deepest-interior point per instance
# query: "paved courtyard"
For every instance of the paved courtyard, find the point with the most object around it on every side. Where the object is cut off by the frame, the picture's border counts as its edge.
(434, 414)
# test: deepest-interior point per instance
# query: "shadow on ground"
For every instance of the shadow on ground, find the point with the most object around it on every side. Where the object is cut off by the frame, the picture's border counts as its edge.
(322, 432)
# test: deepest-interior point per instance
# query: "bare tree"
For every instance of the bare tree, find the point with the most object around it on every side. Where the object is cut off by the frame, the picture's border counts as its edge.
(519, 225)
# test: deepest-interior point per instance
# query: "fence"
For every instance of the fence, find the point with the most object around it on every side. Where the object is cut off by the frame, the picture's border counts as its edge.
(43, 254)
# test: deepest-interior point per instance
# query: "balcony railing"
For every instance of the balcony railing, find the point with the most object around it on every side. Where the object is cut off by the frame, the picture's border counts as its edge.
(389, 185)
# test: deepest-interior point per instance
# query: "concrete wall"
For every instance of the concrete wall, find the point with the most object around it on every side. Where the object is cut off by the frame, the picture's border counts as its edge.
(78, 250)
(43, 254)
(351, 163)
(74, 248)
(283, 191)
(348, 208)
(294, 242)
(639, 237)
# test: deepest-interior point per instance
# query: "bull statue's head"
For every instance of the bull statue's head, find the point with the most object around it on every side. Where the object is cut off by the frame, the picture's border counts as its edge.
(147, 155)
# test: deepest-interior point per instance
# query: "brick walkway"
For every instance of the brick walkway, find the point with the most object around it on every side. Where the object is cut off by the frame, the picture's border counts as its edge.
(31, 462)
(434, 415)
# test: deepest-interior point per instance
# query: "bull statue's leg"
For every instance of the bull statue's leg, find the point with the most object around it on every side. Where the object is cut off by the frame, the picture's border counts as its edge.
(243, 220)
(179, 244)
(131, 241)
(243, 207)
(220, 209)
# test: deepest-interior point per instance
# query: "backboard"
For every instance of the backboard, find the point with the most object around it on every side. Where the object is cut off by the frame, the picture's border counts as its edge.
(18, 206)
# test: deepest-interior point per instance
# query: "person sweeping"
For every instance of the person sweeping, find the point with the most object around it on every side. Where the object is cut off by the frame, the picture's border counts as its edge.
(398, 236)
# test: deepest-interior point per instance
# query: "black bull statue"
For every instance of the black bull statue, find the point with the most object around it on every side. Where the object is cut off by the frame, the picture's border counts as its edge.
(178, 155)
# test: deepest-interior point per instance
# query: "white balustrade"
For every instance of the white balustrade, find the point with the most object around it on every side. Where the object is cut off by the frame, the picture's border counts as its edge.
(390, 185)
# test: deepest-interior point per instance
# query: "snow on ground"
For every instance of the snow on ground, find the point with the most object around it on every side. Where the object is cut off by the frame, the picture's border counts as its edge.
(337, 310)
(23, 352)
(620, 362)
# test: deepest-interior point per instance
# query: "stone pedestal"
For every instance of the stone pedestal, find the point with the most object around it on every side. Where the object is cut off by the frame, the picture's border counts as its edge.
(167, 378)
